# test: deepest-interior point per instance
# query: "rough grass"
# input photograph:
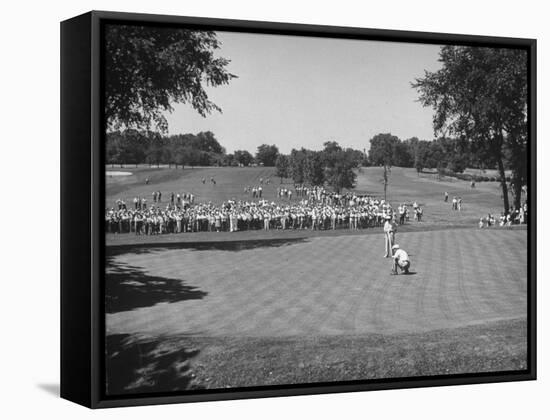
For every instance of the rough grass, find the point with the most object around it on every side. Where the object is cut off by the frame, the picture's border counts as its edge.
(490, 347)
(227, 362)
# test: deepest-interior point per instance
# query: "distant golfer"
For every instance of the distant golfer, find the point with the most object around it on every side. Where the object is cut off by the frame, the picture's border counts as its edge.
(400, 259)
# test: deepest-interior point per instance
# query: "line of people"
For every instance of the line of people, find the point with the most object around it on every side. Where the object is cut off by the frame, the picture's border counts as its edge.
(363, 212)
(514, 217)
(140, 203)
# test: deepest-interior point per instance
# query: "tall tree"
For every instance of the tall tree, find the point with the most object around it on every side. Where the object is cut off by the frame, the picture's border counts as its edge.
(297, 165)
(314, 173)
(282, 167)
(339, 173)
(480, 96)
(243, 157)
(340, 165)
(207, 142)
(267, 154)
(331, 147)
(419, 149)
(147, 69)
(383, 152)
(181, 156)
(127, 147)
(155, 152)
(383, 149)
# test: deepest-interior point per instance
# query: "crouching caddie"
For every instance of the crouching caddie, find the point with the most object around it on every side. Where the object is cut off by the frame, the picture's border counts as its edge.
(400, 259)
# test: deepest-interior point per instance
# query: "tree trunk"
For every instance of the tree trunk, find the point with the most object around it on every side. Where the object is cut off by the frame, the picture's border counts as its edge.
(516, 185)
(503, 185)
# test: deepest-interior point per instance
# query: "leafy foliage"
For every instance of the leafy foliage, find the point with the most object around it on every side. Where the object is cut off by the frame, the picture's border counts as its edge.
(267, 154)
(296, 167)
(480, 97)
(386, 149)
(132, 146)
(340, 165)
(282, 165)
(243, 157)
(333, 166)
(314, 168)
(150, 68)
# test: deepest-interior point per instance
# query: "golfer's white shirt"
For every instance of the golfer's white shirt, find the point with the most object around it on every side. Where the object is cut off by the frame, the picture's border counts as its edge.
(401, 255)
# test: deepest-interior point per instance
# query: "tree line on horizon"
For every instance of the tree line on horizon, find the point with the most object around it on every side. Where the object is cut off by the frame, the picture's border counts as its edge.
(203, 149)
(136, 147)
(479, 98)
(333, 165)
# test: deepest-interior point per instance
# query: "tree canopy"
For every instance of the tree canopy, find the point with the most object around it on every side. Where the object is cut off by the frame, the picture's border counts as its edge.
(267, 154)
(243, 157)
(282, 166)
(134, 147)
(147, 69)
(339, 165)
(480, 96)
(388, 150)
(333, 166)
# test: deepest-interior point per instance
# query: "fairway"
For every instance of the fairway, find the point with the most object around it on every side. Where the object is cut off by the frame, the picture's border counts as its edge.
(230, 183)
(406, 186)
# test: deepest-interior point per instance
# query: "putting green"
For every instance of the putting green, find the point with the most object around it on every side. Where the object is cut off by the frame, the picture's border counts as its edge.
(322, 286)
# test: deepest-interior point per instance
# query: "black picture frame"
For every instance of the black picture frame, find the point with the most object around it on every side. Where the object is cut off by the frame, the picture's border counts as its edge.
(83, 182)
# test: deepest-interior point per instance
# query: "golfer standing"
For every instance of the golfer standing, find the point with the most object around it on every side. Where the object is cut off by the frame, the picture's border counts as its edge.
(389, 236)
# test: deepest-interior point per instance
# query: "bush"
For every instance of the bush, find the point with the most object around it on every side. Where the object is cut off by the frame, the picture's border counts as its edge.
(470, 177)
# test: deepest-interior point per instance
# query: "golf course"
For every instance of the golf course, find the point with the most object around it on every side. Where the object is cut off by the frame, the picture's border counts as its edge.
(210, 310)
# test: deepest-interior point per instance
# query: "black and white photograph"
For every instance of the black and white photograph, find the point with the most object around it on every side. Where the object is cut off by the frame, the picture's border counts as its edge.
(284, 209)
(275, 210)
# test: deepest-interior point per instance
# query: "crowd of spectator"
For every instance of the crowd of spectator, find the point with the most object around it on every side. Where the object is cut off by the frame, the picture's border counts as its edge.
(514, 217)
(314, 208)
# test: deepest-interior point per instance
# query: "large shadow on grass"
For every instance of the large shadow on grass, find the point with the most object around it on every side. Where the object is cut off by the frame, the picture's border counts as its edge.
(234, 246)
(137, 365)
(128, 287)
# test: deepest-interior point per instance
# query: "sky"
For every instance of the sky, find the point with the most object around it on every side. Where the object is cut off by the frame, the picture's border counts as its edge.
(303, 91)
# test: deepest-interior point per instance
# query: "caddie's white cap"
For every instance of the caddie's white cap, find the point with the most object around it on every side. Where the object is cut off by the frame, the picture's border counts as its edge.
(395, 246)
